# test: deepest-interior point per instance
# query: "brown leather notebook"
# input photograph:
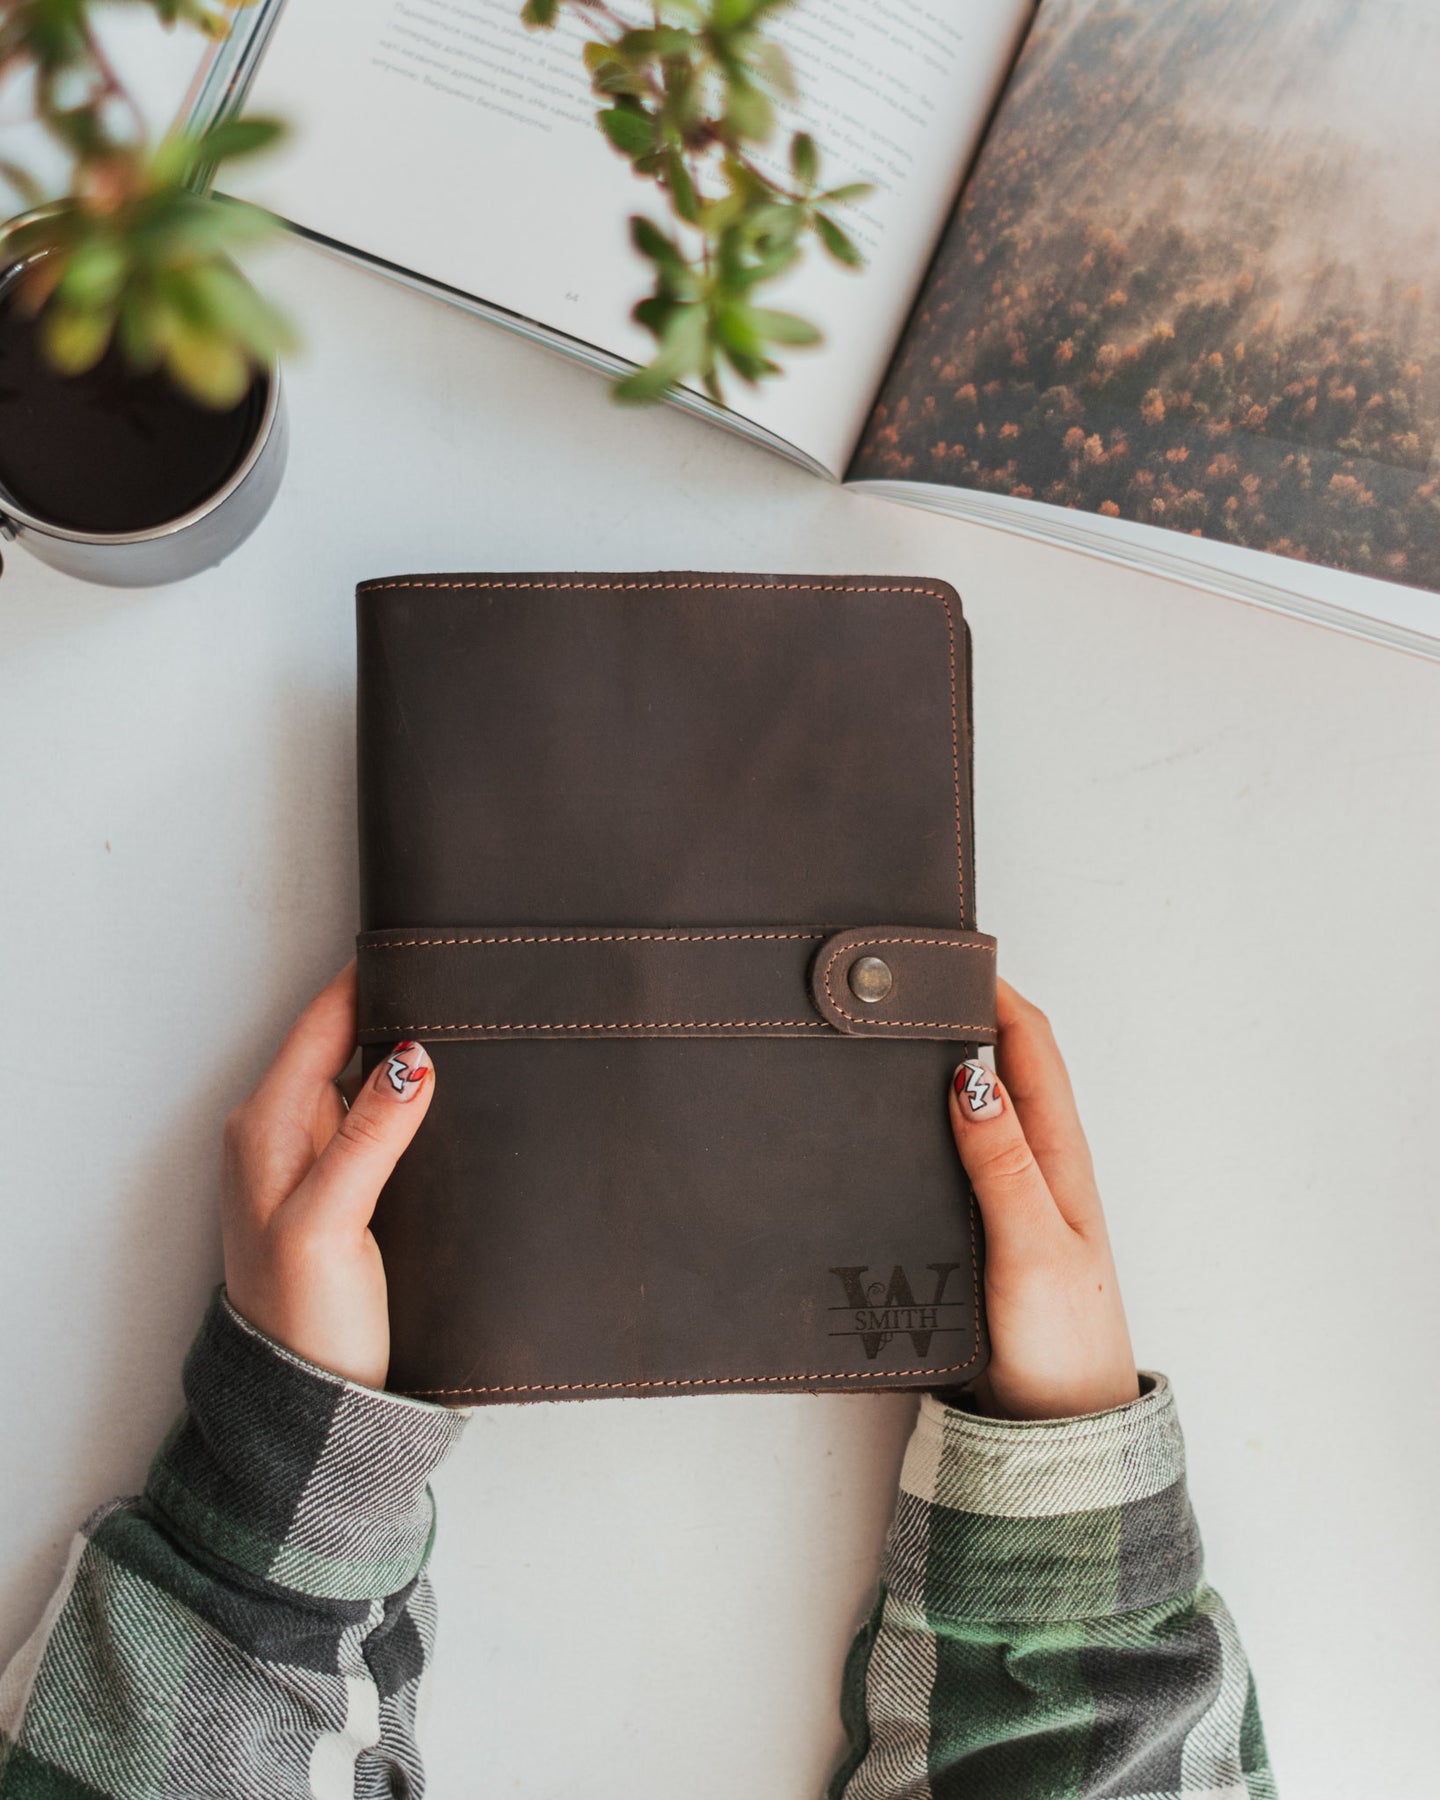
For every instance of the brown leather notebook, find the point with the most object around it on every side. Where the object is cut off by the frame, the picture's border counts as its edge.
(673, 874)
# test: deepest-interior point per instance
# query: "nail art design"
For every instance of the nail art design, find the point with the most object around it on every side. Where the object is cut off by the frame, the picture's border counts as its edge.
(406, 1076)
(978, 1091)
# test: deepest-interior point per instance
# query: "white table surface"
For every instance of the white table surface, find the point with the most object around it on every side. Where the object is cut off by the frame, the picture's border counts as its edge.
(1207, 842)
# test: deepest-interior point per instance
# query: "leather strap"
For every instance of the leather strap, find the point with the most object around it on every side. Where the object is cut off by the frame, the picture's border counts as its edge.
(503, 983)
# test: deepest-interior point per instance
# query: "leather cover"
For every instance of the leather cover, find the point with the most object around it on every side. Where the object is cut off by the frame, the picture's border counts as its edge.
(623, 841)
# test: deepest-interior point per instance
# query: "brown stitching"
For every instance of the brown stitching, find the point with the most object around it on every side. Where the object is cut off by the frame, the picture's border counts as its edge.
(629, 587)
(551, 1387)
(955, 758)
(849, 949)
(725, 587)
(613, 937)
(894, 1026)
(938, 943)
(608, 1025)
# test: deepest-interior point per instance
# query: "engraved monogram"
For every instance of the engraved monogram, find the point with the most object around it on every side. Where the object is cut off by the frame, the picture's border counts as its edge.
(882, 1310)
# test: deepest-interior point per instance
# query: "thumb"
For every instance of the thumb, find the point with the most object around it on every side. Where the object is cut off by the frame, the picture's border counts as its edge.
(1015, 1201)
(350, 1171)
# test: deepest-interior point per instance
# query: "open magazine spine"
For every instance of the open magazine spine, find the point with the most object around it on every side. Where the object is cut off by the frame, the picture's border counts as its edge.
(570, 349)
(223, 78)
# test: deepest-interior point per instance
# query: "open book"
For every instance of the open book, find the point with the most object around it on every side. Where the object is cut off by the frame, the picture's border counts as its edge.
(1158, 281)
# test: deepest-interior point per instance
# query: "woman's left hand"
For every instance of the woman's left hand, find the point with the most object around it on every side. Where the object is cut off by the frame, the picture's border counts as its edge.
(302, 1176)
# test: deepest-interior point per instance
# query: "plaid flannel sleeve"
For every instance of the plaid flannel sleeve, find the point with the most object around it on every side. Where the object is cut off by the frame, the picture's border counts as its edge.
(1042, 1629)
(258, 1621)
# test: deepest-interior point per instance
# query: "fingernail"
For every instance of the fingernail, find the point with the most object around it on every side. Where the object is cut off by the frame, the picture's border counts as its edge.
(978, 1092)
(404, 1071)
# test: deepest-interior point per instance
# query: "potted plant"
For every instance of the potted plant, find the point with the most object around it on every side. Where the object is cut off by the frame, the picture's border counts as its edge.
(142, 432)
(689, 99)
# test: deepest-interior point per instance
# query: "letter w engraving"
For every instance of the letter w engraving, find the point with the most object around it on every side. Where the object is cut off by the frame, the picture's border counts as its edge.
(884, 1310)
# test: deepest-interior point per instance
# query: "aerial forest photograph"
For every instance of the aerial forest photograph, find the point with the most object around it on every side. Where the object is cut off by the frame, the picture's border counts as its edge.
(1193, 281)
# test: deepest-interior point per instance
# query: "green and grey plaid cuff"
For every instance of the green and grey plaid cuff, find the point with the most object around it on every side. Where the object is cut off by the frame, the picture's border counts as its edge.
(260, 1621)
(1044, 1519)
(293, 1475)
(1043, 1629)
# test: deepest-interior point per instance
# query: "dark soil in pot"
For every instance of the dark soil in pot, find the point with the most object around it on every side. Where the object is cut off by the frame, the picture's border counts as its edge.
(108, 451)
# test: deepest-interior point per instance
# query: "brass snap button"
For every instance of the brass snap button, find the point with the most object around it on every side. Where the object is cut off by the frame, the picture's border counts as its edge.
(870, 979)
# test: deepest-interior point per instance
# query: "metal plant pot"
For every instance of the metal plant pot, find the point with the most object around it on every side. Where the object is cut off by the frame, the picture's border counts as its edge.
(169, 551)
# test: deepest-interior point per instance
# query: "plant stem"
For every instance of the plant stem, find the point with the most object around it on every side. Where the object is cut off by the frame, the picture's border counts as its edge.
(111, 86)
(589, 10)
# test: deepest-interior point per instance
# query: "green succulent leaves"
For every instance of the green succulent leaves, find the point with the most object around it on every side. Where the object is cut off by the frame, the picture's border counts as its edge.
(687, 101)
(139, 255)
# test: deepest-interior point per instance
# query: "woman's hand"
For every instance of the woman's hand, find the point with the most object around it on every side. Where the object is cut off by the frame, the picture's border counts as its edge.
(1059, 1342)
(302, 1176)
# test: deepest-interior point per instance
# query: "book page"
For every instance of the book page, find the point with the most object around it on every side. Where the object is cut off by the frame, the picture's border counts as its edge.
(1194, 285)
(443, 137)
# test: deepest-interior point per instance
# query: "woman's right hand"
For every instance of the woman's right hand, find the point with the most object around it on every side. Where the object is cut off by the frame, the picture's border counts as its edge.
(1060, 1345)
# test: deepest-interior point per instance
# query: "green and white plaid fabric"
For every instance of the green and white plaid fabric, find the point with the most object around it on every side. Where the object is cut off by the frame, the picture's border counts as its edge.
(1042, 1630)
(257, 1623)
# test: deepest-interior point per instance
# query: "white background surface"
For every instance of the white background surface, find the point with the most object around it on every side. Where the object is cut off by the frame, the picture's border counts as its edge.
(1207, 842)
